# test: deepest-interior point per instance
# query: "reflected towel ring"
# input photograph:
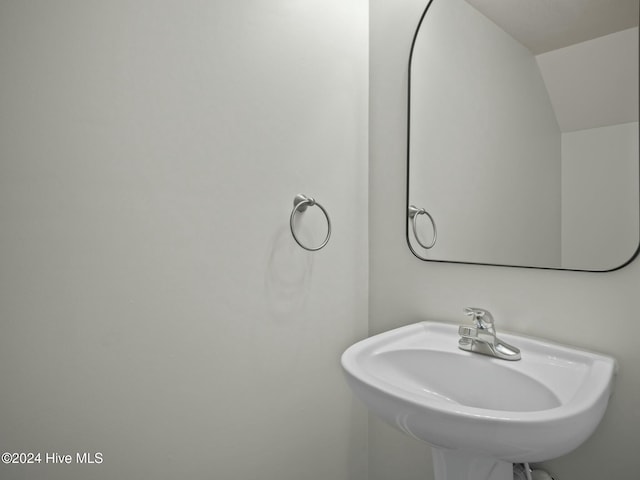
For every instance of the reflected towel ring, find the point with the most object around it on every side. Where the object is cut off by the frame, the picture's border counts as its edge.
(300, 204)
(414, 212)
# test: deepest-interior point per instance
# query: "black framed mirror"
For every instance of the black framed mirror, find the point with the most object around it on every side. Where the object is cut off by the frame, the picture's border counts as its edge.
(523, 134)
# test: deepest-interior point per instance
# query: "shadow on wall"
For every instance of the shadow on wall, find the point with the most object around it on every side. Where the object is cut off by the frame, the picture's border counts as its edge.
(287, 277)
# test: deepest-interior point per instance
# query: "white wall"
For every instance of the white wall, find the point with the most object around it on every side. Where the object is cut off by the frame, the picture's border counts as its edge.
(153, 304)
(471, 83)
(600, 196)
(592, 310)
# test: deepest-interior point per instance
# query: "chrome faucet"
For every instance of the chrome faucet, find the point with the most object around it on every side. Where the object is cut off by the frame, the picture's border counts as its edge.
(481, 337)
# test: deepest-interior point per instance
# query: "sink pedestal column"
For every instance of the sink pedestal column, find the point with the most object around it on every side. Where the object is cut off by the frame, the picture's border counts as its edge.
(455, 465)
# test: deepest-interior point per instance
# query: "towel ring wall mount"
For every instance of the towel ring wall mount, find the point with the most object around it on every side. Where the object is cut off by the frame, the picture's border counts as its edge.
(300, 204)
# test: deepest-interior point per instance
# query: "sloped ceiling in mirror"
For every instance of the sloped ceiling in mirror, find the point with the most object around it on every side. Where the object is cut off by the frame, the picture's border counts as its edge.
(566, 22)
(594, 83)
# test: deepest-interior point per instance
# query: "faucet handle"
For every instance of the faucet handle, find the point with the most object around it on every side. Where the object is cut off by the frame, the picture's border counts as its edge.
(481, 317)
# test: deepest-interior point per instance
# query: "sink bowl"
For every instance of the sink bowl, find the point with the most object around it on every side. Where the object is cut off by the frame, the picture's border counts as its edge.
(475, 408)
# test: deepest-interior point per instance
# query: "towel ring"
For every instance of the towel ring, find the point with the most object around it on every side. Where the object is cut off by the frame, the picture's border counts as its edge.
(300, 204)
(414, 212)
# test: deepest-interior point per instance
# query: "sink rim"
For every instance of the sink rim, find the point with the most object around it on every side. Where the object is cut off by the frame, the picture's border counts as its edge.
(583, 398)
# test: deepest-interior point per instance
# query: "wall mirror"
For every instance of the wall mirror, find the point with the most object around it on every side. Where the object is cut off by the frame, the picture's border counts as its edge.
(523, 133)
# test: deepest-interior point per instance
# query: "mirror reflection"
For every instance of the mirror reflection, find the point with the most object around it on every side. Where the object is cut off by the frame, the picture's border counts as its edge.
(523, 133)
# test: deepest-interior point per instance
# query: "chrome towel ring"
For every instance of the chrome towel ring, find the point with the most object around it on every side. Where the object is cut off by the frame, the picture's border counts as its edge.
(300, 204)
(414, 212)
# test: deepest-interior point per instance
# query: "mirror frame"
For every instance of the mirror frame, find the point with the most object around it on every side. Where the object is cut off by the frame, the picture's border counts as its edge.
(407, 203)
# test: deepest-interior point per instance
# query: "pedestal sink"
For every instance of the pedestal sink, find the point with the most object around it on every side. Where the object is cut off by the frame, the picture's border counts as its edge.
(480, 414)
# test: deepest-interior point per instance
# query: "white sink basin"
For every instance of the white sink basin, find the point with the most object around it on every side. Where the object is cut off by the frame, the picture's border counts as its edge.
(540, 407)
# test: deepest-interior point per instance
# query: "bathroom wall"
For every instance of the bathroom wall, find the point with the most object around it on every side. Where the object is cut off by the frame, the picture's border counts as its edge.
(592, 310)
(153, 304)
(485, 80)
